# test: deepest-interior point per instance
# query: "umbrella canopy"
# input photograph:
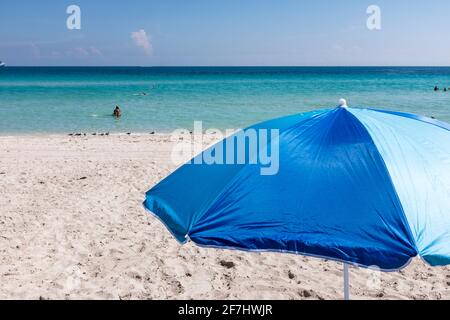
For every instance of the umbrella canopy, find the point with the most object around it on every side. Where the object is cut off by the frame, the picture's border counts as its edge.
(362, 186)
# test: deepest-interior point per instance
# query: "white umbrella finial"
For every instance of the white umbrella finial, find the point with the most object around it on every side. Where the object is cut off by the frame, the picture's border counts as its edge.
(343, 103)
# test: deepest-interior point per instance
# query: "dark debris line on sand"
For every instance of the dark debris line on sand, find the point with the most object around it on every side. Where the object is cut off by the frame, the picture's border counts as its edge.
(102, 134)
(227, 264)
(85, 134)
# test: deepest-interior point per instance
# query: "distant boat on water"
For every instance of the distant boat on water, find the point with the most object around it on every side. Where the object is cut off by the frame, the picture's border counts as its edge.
(2, 64)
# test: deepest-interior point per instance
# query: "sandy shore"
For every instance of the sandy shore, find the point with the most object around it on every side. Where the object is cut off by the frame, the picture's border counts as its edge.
(72, 226)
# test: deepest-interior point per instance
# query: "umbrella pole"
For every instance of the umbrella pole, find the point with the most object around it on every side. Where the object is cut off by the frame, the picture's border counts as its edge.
(346, 282)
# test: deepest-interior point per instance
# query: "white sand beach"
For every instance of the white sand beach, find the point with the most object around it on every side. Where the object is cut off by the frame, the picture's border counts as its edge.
(72, 227)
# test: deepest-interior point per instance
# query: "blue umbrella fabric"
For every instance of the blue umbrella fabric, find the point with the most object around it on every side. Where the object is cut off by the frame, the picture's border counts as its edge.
(361, 186)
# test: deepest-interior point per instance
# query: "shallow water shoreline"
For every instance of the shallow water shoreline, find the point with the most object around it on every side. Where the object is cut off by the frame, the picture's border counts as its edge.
(64, 100)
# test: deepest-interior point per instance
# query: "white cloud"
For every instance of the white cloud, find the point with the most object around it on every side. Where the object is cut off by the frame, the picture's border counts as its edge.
(95, 51)
(82, 52)
(142, 40)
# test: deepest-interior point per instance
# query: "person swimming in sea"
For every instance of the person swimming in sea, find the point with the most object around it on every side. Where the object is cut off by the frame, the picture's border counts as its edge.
(117, 112)
(436, 88)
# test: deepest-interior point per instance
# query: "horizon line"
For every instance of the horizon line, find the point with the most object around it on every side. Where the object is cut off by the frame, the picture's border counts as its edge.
(229, 66)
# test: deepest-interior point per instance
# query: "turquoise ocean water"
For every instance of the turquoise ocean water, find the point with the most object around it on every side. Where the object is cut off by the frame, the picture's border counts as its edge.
(66, 100)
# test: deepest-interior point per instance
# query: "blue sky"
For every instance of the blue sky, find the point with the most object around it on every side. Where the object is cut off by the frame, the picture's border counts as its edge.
(225, 32)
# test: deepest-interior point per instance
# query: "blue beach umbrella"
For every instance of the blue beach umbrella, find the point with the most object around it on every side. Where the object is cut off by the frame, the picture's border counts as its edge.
(361, 186)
